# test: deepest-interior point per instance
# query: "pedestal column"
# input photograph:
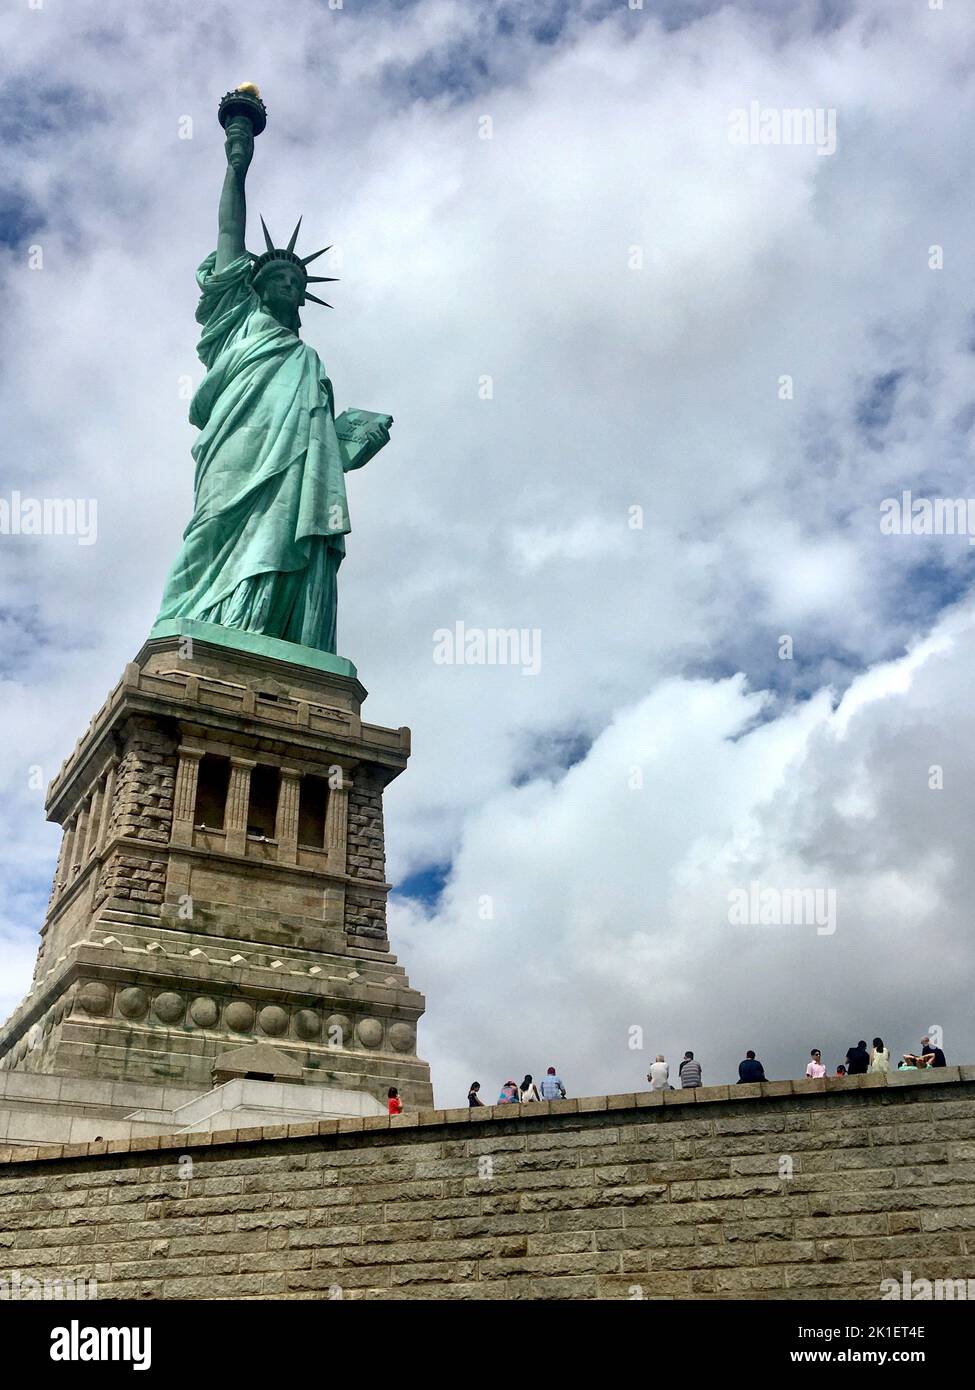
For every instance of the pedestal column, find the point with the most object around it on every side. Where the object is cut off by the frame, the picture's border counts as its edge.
(286, 821)
(108, 801)
(81, 833)
(70, 831)
(337, 826)
(59, 872)
(184, 794)
(238, 804)
(94, 822)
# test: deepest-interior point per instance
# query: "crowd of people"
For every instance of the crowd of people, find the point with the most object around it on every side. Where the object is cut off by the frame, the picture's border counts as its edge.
(549, 1088)
(859, 1061)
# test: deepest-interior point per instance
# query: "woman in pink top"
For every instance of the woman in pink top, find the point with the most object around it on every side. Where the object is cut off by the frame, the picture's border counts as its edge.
(816, 1067)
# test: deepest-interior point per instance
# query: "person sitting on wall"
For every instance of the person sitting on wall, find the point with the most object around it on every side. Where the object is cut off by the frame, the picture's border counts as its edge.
(750, 1069)
(933, 1056)
(659, 1074)
(528, 1091)
(690, 1072)
(473, 1098)
(551, 1087)
(394, 1104)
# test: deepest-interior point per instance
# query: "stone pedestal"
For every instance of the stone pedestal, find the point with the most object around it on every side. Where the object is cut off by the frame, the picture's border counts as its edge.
(222, 880)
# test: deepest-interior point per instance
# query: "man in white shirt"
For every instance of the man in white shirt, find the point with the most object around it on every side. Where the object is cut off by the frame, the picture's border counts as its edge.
(816, 1066)
(659, 1074)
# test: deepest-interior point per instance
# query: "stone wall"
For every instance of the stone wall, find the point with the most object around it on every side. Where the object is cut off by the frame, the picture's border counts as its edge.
(797, 1190)
(144, 790)
(142, 810)
(366, 856)
(365, 906)
(365, 916)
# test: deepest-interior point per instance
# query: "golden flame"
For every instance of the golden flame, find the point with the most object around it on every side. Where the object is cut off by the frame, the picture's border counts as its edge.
(251, 89)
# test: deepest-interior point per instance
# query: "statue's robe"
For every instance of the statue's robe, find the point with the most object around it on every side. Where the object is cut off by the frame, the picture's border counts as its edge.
(270, 515)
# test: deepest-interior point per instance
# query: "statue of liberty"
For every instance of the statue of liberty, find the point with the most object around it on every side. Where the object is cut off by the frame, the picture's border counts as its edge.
(262, 550)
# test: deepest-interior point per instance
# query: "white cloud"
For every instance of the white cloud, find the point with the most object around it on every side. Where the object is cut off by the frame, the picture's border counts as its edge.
(611, 901)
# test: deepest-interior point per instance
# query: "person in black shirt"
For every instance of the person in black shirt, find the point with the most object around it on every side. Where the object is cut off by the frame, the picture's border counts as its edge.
(933, 1056)
(858, 1060)
(472, 1097)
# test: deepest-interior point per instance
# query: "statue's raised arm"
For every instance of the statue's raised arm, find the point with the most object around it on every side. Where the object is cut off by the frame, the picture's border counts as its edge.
(242, 115)
(232, 224)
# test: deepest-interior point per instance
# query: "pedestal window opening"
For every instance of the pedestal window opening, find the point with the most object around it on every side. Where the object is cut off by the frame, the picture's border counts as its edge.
(312, 802)
(211, 792)
(263, 805)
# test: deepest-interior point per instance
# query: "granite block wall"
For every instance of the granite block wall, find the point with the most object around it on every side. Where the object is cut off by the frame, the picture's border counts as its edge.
(790, 1190)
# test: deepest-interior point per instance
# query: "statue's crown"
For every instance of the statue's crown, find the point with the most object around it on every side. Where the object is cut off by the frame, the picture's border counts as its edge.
(287, 253)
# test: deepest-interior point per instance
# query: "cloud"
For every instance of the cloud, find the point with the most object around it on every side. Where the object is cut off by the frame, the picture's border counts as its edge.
(586, 907)
(583, 319)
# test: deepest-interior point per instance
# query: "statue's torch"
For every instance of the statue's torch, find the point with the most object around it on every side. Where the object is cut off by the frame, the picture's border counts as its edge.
(244, 100)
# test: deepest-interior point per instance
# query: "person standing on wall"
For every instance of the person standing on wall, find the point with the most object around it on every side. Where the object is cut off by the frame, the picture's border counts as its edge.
(815, 1067)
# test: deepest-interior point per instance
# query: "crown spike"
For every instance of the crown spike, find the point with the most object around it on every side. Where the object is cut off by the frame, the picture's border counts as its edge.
(315, 300)
(319, 279)
(307, 260)
(267, 235)
(294, 237)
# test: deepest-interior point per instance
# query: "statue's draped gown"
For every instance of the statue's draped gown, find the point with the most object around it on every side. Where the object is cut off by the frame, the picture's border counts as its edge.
(267, 535)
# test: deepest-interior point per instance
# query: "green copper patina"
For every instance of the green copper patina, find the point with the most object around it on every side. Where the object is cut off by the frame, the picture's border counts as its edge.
(262, 550)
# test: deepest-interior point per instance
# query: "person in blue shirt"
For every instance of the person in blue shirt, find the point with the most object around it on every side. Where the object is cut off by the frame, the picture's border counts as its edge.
(751, 1069)
(551, 1086)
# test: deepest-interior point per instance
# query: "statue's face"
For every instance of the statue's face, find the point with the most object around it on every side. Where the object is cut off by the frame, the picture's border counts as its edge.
(281, 288)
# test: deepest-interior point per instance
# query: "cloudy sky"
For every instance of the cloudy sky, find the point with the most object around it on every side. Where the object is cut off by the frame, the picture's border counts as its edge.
(651, 386)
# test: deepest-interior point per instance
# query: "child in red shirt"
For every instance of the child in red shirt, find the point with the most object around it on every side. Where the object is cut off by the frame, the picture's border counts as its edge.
(395, 1104)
